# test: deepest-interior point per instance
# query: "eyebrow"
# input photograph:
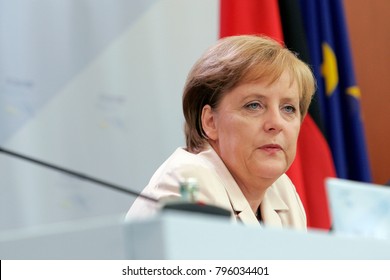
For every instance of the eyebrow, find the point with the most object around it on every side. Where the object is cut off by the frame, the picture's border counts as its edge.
(263, 97)
(254, 95)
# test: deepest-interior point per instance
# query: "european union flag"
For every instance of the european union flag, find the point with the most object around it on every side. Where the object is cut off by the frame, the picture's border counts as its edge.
(338, 94)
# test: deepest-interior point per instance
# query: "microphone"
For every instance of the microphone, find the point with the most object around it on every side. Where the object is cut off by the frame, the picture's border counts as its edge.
(178, 206)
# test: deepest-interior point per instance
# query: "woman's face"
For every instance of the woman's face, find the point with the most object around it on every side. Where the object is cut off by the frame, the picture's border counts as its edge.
(255, 128)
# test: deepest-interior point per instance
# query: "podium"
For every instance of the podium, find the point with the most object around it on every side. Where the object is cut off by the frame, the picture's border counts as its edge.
(99, 238)
(186, 236)
(182, 236)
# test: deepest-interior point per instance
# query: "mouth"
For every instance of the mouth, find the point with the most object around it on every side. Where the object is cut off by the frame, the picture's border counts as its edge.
(271, 148)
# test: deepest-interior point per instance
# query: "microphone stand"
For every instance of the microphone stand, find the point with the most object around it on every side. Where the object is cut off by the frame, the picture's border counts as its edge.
(76, 174)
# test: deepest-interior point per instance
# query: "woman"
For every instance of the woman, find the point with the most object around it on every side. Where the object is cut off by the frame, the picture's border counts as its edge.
(243, 102)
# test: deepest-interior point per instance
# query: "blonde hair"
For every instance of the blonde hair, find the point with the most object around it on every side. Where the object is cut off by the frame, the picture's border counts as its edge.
(233, 61)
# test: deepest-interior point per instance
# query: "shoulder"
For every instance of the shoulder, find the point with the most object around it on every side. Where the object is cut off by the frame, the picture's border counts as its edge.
(206, 167)
(177, 165)
(165, 182)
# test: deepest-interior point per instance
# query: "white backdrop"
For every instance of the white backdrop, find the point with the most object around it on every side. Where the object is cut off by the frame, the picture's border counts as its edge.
(92, 86)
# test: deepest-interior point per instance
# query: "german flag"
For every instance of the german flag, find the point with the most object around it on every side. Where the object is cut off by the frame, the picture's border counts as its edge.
(338, 93)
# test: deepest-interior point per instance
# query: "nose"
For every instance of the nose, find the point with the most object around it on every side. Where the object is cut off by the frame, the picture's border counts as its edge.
(273, 120)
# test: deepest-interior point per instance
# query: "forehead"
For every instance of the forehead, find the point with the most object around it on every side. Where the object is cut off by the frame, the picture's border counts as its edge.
(283, 87)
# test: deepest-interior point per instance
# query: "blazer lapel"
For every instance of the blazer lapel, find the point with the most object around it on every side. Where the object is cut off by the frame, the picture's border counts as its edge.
(247, 217)
(271, 205)
(239, 203)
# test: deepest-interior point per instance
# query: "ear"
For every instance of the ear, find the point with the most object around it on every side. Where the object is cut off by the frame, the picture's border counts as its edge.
(208, 122)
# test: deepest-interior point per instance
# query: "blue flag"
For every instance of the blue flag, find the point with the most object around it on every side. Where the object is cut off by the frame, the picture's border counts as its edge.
(338, 94)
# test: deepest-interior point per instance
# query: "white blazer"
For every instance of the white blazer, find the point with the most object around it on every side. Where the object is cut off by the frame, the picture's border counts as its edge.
(281, 206)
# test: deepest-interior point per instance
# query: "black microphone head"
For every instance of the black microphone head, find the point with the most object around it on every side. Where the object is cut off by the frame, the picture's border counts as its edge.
(198, 207)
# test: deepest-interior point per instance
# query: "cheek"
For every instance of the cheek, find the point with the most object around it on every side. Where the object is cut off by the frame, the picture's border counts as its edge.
(234, 136)
(294, 129)
(239, 134)
(295, 135)
(292, 138)
(228, 126)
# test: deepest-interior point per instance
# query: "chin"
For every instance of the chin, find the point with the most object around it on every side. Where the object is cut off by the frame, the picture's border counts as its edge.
(272, 171)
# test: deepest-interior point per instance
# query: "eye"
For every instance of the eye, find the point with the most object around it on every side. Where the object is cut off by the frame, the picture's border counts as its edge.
(253, 106)
(289, 109)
